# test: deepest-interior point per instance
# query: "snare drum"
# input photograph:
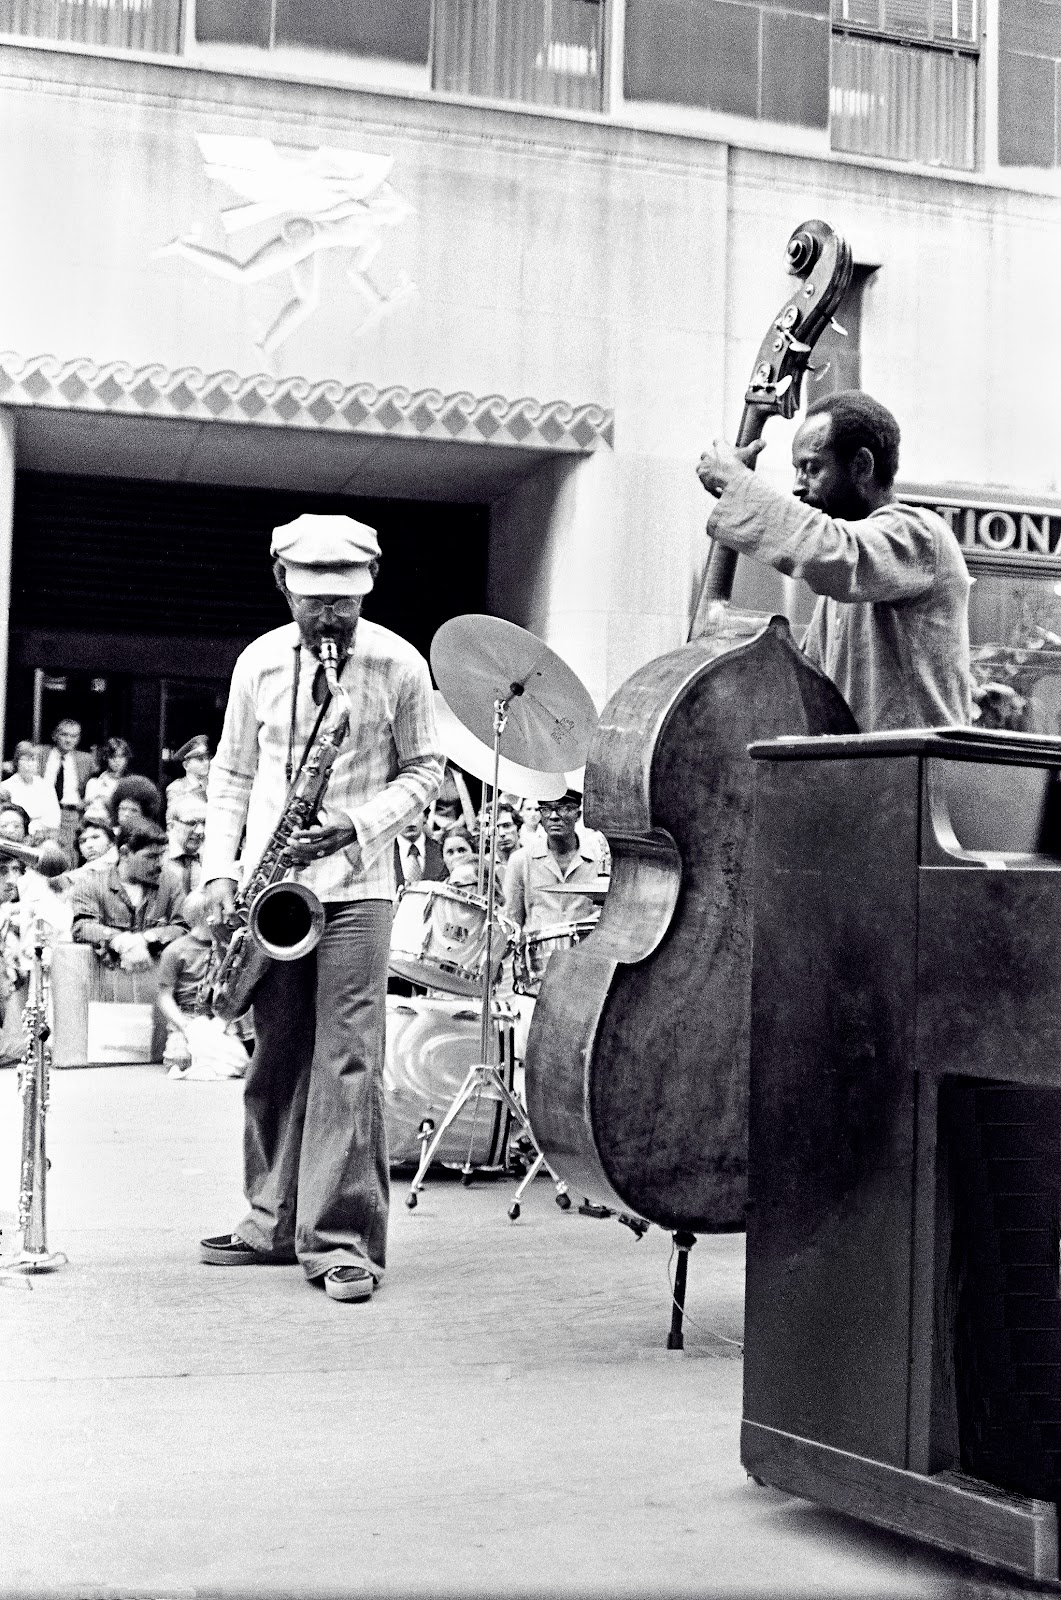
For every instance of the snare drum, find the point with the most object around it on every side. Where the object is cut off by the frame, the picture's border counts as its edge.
(438, 938)
(431, 1043)
(536, 946)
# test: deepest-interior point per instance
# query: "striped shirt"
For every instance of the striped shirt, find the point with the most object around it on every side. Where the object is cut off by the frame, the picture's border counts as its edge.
(386, 773)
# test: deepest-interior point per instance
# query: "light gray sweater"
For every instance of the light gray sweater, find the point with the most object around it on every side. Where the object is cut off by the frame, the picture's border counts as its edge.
(891, 626)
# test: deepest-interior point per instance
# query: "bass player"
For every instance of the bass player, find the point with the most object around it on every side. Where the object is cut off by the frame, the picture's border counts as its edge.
(314, 1150)
(891, 624)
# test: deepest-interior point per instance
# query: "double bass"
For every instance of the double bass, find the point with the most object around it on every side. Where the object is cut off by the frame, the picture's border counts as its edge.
(637, 1056)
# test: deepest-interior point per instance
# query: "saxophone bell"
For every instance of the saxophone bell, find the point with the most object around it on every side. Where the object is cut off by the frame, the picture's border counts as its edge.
(286, 921)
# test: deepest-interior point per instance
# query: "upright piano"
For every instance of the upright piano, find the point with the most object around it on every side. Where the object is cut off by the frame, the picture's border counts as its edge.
(903, 1305)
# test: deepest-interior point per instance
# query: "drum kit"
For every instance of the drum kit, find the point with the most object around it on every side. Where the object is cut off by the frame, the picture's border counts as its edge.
(513, 714)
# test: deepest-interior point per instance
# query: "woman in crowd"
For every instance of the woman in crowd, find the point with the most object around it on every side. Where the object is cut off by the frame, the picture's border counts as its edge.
(95, 845)
(96, 852)
(117, 756)
(14, 822)
(28, 790)
(457, 851)
(531, 823)
(134, 799)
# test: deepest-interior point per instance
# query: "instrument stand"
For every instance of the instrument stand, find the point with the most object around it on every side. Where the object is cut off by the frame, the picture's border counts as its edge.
(683, 1243)
(34, 1083)
(483, 1075)
(563, 1199)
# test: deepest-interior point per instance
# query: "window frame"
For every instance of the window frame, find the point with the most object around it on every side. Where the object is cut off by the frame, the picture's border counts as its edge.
(973, 49)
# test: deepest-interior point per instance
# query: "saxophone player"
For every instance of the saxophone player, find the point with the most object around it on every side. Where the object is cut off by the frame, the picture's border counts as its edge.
(315, 1153)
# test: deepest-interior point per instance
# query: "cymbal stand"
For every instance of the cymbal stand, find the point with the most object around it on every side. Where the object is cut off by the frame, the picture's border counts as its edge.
(483, 1075)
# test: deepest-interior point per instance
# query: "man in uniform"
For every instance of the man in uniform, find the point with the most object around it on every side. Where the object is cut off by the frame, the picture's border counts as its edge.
(195, 758)
(315, 1149)
(891, 625)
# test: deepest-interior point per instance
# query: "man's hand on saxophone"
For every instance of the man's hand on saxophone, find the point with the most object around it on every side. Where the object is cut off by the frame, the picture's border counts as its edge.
(310, 844)
(221, 899)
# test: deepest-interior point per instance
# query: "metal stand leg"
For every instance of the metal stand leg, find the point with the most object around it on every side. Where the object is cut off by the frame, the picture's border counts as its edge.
(563, 1199)
(683, 1243)
(480, 1076)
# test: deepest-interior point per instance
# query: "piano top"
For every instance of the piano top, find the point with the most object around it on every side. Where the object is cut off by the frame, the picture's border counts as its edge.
(993, 745)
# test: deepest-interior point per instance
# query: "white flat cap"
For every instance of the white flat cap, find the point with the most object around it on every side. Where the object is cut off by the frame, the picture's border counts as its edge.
(326, 554)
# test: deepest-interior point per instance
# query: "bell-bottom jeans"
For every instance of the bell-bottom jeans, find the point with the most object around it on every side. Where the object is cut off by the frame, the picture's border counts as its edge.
(315, 1145)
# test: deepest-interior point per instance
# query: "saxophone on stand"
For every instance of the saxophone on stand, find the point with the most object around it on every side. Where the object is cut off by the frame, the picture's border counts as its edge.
(34, 1082)
(276, 919)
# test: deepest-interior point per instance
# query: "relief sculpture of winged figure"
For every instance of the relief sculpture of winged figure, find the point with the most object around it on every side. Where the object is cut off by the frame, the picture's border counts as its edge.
(308, 200)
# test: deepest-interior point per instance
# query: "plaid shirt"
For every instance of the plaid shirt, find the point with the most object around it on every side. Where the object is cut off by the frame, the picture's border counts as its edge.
(384, 776)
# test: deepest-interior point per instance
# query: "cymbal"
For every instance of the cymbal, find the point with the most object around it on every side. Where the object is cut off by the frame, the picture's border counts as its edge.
(594, 891)
(478, 660)
(471, 755)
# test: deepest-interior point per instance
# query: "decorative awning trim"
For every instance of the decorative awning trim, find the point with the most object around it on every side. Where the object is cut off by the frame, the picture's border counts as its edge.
(191, 395)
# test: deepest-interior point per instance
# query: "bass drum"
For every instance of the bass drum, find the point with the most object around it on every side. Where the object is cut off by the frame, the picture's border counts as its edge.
(431, 1043)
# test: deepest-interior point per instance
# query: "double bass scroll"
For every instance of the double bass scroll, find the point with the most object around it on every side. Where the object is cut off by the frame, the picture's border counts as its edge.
(820, 260)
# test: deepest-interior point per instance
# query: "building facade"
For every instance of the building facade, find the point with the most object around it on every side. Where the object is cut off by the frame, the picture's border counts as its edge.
(492, 272)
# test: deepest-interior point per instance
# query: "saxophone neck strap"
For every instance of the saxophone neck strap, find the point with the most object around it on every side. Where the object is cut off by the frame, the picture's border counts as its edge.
(289, 765)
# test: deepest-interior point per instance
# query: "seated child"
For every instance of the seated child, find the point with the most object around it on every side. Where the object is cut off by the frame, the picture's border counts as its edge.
(197, 1044)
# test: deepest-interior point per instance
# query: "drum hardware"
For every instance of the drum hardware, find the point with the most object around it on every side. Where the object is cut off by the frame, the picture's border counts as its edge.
(438, 938)
(497, 677)
(597, 890)
(431, 1041)
(533, 949)
(563, 1199)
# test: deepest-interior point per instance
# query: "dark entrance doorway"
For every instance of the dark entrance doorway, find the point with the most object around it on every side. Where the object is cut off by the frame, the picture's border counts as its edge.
(132, 599)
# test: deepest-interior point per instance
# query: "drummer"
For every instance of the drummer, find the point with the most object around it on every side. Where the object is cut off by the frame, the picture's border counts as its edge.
(566, 856)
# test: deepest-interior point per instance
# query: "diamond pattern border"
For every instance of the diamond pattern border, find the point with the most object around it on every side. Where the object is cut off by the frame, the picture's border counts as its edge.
(193, 395)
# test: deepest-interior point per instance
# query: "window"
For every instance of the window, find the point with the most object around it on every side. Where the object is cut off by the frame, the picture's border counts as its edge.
(397, 31)
(112, 24)
(542, 52)
(903, 80)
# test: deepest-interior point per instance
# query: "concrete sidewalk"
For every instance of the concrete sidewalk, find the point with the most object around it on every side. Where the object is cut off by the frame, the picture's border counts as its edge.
(502, 1419)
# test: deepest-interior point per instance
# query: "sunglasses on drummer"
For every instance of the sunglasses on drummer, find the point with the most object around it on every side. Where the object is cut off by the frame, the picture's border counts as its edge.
(550, 808)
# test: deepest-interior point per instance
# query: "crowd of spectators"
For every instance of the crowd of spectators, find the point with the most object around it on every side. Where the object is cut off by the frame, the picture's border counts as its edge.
(133, 867)
(544, 855)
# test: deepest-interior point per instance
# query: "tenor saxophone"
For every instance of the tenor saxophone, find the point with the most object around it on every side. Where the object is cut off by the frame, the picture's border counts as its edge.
(34, 1083)
(275, 919)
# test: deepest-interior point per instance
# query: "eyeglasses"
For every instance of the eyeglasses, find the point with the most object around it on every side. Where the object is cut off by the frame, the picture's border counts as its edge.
(338, 605)
(561, 807)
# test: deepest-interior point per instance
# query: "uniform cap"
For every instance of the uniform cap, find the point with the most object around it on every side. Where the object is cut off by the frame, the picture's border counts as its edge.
(326, 554)
(198, 746)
